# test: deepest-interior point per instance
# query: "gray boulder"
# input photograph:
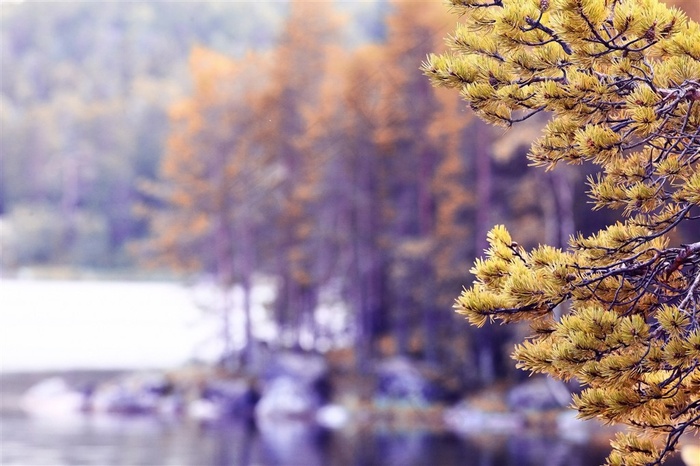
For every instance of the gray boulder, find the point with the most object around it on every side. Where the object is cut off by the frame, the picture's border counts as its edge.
(293, 386)
(401, 380)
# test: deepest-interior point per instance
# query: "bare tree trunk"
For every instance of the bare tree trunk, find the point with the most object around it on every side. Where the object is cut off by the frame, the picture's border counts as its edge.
(483, 345)
(484, 185)
(247, 285)
(548, 205)
(226, 336)
(564, 196)
(224, 272)
(562, 187)
(427, 230)
(69, 197)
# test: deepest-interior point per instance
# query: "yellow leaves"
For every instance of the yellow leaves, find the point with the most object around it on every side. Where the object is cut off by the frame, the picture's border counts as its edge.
(499, 238)
(554, 96)
(556, 144)
(569, 24)
(590, 403)
(209, 69)
(643, 96)
(642, 197)
(547, 256)
(623, 369)
(494, 112)
(631, 450)
(631, 330)
(527, 288)
(525, 64)
(672, 320)
(449, 71)
(689, 191)
(468, 41)
(478, 93)
(631, 168)
(607, 192)
(646, 19)
(619, 81)
(655, 381)
(543, 328)
(622, 402)
(685, 42)
(497, 73)
(481, 20)
(534, 356)
(675, 352)
(594, 11)
(515, 96)
(692, 346)
(645, 119)
(514, 15)
(509, 278)
(548, 56)
(586, 83)
(669, 166)
(598, 142)
(591, 320)
(479, 304)
(537, 40)
(659, 220)
(462, 6)
(629, 362)
(616, 237)
(675, 70)
(606, 404)
(492, 272)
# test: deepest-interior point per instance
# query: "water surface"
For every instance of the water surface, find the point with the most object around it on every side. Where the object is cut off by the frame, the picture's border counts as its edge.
(107, 441)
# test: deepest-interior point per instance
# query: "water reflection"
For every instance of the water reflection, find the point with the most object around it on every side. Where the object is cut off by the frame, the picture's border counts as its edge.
(149, 442)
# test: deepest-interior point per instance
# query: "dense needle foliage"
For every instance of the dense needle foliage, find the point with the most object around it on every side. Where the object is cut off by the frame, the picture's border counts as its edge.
(620, 80)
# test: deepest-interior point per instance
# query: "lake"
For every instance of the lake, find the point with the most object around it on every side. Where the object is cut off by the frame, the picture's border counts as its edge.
(92, 324)
(107, 441)
(60, 326)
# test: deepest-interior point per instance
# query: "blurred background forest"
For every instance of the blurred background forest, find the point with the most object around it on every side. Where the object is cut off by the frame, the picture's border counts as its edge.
(289, 143)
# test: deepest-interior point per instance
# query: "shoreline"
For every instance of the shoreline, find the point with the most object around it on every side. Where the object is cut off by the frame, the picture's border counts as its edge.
(394, 417)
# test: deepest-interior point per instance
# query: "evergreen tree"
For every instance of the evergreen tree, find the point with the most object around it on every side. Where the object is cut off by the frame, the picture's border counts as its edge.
(621, 82)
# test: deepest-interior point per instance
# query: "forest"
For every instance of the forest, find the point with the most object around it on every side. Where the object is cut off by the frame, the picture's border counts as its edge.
(296, 143)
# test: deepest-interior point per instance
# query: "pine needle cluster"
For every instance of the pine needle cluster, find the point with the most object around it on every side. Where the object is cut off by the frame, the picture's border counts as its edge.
(620, 80)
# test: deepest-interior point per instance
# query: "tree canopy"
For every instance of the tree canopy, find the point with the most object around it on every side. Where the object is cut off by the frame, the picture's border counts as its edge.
(620, 83)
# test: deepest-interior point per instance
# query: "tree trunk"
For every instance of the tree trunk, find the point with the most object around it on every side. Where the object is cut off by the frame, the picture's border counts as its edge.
(483, 344)
(247, 355)
(224, 274)
(564, 195)
(484, 185)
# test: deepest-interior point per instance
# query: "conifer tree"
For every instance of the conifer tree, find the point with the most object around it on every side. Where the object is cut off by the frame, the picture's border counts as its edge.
(620, 81)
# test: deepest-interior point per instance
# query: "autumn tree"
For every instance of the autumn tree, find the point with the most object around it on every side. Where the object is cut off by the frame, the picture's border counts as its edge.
(620, 83)
(84, 93)
(290, 103)
(214, 183)
(355, 191)
(412, 156)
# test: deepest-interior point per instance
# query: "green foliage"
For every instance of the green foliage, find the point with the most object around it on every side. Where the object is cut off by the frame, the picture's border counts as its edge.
(620, 81)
